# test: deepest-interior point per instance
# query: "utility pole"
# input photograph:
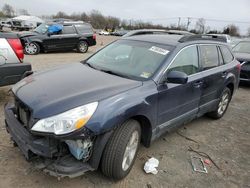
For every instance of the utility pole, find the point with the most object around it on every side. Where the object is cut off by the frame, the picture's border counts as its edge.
(188, 22)
(179, 21)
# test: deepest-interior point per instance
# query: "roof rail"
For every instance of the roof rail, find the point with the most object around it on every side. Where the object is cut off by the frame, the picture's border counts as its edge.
(203, 37)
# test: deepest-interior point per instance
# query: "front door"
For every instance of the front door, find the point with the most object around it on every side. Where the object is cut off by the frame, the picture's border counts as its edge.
(214, 76)
(52, 42)
(180, 103)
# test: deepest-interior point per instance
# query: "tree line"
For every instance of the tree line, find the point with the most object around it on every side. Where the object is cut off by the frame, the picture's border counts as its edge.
(100, 21)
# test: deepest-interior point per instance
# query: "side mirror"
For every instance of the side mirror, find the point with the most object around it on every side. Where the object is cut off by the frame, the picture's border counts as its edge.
(177, 77)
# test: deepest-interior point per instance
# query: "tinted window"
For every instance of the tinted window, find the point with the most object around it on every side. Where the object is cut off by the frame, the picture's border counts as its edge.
(84, 29)
(186, 61)
(209, 56)
(227, 55)
(68, 30)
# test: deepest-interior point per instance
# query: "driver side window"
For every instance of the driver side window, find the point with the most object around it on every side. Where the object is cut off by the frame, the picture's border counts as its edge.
(186, 61)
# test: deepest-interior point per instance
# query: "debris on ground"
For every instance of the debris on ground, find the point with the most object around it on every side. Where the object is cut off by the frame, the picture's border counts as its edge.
(151, 165)
(203, 154)
(207, 161)
(198, 164)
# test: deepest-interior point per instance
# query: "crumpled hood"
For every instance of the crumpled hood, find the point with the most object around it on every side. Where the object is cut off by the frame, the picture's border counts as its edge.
(55, 91)
(27, 34)
(242, 56)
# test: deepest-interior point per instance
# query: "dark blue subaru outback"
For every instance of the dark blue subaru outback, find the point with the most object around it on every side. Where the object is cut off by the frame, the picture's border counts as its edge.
(76, 118)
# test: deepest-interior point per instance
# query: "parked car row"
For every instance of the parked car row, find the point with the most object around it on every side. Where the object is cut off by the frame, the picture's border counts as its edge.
(95, 113)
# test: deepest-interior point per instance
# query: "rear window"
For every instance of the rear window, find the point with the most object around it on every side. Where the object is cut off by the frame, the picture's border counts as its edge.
(209, 56)
(68, 30)
(227, 55)
(84, 28)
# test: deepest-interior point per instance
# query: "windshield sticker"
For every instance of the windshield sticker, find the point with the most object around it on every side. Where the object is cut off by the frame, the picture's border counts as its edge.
(159, 50)
(145, 74)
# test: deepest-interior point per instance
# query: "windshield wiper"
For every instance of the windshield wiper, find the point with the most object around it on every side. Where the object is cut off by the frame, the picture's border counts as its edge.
(113, 73)
(88, 64)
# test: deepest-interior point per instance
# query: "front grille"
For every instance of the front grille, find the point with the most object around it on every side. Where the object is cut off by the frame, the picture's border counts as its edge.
(22, 112)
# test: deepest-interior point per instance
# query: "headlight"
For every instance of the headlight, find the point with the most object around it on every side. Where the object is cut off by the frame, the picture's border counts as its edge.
(66, 122)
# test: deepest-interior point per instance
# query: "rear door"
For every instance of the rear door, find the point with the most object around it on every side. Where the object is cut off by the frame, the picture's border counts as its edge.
(214, 75)
(179, 103)
(69, 37)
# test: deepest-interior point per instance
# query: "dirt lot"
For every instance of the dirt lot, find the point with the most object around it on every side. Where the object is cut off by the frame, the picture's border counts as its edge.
(227, 141)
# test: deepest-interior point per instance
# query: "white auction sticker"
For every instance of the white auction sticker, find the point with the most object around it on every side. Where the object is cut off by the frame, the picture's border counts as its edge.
(159, 50)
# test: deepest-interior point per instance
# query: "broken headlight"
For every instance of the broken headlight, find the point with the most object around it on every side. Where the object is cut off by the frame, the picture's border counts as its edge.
(66, 122)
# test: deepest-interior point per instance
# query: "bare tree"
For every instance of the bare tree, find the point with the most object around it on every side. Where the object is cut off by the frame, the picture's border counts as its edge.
(2, 14)
(61, 14)
(8, 10)
(23, 12)
(231, 30)
(84, 17)
(200, 25)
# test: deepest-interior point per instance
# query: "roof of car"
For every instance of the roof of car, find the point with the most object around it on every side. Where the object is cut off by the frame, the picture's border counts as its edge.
(174, 40)
(160, 39)
(65, 23)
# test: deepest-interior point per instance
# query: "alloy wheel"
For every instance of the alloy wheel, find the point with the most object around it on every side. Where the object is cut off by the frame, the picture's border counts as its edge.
(130, 151)
(223, 103)
(31, 48)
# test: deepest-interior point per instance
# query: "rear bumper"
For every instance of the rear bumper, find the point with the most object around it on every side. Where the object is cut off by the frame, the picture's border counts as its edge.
(11, 73)
(43, 148)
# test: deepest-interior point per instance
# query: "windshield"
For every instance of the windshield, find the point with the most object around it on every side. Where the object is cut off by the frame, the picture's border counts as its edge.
(42, 28)
(243, 47)
(132, 59)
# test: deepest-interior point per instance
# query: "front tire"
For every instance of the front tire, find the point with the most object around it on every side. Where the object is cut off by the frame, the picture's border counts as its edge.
(82, 47)
(31, 48)
(121, 150)
(222, 106)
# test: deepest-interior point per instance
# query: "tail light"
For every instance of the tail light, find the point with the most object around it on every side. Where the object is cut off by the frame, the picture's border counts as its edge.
(17, 47)
(238, 66)
(94, 36)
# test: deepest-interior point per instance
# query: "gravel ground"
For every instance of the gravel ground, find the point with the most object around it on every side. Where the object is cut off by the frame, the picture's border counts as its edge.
(226, 141)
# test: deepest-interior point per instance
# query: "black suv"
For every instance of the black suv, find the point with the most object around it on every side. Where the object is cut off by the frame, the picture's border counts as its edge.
(59, 36)
(95, 113)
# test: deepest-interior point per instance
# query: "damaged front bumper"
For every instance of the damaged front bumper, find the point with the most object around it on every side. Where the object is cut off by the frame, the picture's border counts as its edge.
(44, 152)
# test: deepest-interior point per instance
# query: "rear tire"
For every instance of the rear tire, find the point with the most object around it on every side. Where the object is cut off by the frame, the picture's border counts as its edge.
(31, 48)
(222, 106)
(82, 47)
(121, 150)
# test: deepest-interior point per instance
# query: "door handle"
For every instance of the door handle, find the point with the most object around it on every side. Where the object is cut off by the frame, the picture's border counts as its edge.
(198, 84)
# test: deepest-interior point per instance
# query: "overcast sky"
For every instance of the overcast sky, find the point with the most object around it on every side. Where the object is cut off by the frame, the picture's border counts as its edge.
(217, 12)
